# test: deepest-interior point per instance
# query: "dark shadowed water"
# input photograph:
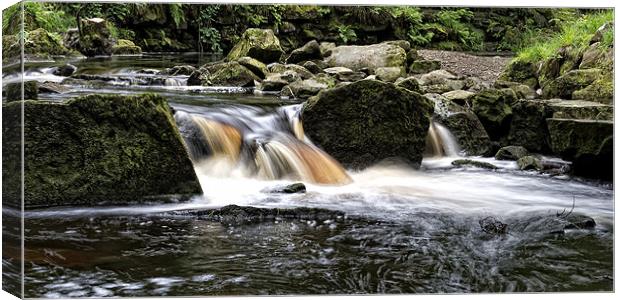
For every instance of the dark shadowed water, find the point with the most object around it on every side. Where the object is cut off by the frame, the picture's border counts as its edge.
(404, 230)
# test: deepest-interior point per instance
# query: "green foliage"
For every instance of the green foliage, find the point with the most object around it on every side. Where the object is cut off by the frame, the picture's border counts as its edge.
(177, 14)
(36, 15)
(346, 34)
(574, 33)
(208, 36)
(455, 25)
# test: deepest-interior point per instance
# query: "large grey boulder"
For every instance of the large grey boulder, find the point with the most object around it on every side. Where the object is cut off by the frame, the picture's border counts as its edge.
(369, 56)
(367, 121)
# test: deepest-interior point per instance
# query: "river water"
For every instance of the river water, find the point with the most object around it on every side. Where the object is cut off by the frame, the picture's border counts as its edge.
(404, 230)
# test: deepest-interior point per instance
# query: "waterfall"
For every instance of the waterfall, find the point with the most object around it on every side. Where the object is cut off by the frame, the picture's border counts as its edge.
(440, 142)
(253, 142)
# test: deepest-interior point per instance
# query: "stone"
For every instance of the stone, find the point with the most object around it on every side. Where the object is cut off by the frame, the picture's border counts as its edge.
(412, 55)
(258, 68)
(280, 68)
(52, 87)
(564, 86)
(474, 163)
(94, 38)
(292, 188)
(511, 153)
(529, 162)
(592, 57)
(64, 70)
(389, 74)
(410, 83)
(601, 90)
(14, 91)
(578, 109)
(311, 50)
(313, 67)
(460, 97)
(444, 87)
(469, 133)
(99, 150)
(273, 83)
(442, 106)
(493, 226)
(198, 77)
(125, 47)
(424, 66)
(521, 71)
(232, 74)
(344, 74)
(400, 43)
(369, 56)
(365, 122)
(304, 89)
(180, 70)
(437, 77)
(493, 108)
(528, 127)
(586, 143)
(326, 48)
(475, 84)
(261, 44)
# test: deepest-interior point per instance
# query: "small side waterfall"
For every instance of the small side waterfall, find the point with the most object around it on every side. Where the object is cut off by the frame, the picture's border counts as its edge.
(255, 143)
(440, 142)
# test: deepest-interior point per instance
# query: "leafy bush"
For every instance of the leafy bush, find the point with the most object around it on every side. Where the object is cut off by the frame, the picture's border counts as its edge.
(346, 34)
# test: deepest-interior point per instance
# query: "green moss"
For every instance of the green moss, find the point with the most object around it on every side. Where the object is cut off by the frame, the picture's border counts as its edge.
(102, 150)
(261, 44)
(125, 47)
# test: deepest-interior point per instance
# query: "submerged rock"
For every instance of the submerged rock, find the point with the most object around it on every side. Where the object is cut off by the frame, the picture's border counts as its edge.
(99, 150)
(65, 70)
(261, 44)
(492, 225)
(474, 163)
(367, 121)
(293, 188)
(233, 214)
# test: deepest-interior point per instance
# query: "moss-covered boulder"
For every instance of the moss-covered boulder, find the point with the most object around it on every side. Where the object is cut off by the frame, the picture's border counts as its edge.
(257, 67)
(100, 150)
(389, 74)
(469, 133)
(474, 163)
(511, 153)
(13, 91)
(601, 90)
(94, 37)
(261, 44)
(521, 71)
(232, 74)
(530, 162)
(38, 43)
(493, 108)
(586, 143)
(528, 125)
(564, 86)
(311, 50)
(280, 68)
(410, 83)
(364, 122)
(125, 47)
(424, 66)
(369, 56)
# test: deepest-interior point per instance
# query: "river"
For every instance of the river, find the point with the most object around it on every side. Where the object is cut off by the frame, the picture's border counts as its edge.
(404, 230)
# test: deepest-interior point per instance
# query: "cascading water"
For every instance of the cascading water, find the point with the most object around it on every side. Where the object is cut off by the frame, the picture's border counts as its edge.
(252, 142)
(440, 142)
